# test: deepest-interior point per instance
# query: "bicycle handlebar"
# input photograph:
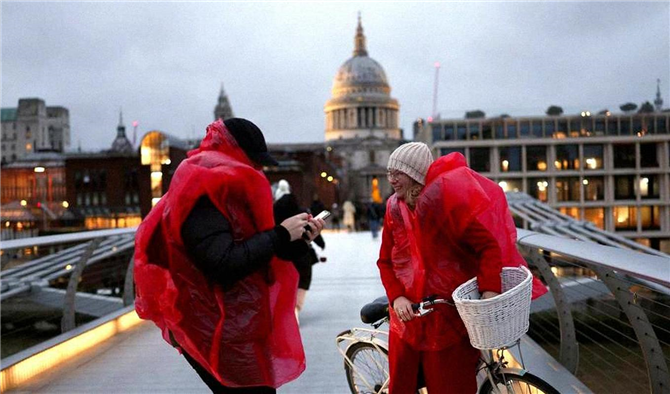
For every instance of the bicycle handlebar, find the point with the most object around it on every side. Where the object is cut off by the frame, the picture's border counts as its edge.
(425, 307)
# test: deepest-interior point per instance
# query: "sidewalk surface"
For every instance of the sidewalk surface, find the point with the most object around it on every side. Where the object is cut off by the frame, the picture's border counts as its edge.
(139, 361)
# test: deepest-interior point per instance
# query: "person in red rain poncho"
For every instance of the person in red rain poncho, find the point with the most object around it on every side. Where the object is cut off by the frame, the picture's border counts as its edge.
(211, 267)
(444, 225)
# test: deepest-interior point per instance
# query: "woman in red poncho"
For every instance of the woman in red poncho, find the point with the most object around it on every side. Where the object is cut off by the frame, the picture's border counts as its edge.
(211, 269)
(444, 225)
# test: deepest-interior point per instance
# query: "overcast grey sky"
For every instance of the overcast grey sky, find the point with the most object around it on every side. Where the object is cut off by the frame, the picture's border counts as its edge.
(164, 62)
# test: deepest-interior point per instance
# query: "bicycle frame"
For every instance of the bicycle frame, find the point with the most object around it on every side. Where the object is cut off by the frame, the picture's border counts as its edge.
(491, 365)
(497, 366)
(371, 336)
(494, 366)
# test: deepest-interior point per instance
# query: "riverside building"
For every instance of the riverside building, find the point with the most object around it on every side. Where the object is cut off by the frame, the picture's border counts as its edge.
(610, 169)
(34, 127)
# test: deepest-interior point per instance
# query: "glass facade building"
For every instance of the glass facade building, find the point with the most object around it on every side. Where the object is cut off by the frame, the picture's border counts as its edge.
(612, 170)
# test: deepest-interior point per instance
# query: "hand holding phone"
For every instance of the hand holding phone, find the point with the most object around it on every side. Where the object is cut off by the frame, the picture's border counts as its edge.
(322, 215)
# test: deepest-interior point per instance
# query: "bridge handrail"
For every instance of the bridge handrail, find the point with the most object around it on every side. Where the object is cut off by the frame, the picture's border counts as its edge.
(63, 238)
(652, 268)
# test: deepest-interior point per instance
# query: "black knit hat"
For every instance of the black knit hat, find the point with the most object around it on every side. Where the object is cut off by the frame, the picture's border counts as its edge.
(250, 138)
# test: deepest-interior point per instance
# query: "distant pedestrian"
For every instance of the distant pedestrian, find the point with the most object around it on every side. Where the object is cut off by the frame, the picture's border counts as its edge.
(285, 206)
(374, 216)
(316, 206)
(349, 220)
(335, 215)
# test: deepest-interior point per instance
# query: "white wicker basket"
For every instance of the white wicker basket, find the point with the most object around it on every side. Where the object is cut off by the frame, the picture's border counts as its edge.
(501, 320)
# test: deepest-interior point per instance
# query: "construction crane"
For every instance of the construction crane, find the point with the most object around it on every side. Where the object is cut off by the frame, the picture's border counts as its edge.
(435, 115)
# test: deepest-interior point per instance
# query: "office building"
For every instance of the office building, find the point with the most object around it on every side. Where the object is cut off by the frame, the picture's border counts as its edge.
(610, 169)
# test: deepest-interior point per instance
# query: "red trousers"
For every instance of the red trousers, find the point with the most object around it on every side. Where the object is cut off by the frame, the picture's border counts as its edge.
(447, 371)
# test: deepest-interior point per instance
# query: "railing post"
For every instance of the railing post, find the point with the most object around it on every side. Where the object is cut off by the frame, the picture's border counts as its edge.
(6, 257)
(651, 348)
(68, 321)
(129, 284)
(569, 352)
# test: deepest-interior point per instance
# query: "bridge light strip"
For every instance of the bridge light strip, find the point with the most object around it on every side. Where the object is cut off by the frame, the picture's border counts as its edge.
(16, 375)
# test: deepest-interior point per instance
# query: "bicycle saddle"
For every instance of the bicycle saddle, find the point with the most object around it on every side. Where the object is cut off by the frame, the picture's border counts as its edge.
(375, 311)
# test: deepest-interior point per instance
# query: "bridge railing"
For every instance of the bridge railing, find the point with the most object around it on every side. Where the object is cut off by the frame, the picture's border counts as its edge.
(607, 316)
(51, 285)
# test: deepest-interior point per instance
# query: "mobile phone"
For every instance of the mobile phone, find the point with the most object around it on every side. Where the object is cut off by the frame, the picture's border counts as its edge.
(322, 215)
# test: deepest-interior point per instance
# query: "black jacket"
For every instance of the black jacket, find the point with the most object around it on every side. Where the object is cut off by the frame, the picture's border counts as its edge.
(209, 242)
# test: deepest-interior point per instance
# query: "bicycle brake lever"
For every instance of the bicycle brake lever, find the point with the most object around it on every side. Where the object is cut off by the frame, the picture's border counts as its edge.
(423, 311)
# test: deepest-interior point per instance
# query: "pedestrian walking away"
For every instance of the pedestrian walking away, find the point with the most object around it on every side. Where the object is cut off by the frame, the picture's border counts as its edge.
(210, 248)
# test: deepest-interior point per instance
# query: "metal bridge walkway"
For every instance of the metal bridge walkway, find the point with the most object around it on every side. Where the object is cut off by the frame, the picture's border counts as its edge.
(139, 361)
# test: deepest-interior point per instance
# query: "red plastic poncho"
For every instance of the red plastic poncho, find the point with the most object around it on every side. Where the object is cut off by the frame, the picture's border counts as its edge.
(248, 335)
(460, 228)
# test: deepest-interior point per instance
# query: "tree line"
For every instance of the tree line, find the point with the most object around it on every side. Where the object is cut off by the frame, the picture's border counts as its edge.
(555, 110)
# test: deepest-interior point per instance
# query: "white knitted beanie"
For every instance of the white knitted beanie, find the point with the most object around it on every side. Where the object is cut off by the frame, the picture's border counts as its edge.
(413, 159)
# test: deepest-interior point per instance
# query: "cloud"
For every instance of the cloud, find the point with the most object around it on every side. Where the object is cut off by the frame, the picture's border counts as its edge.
(164, 62)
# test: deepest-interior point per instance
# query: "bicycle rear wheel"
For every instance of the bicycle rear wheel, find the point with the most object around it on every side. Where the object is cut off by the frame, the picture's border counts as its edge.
(370, 372)
(517, 384)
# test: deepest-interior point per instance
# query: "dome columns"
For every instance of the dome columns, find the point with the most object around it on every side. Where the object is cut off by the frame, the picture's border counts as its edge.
(362, 121)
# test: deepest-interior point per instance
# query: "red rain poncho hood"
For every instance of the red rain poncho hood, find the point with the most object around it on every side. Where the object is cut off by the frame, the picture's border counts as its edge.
(248, 335)
(432, 256)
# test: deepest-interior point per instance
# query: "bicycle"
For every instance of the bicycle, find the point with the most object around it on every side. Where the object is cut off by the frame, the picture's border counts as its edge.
(366, 357)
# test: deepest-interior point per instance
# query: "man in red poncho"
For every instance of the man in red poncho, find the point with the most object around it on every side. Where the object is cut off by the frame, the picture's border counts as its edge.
(444, 225)
(211, 269)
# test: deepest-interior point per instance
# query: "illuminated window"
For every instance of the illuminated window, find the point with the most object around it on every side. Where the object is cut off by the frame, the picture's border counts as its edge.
(510, 159)
(650, 217)
(538, 188)
(573, 212)
(625, 218)
(594, 188)
(595, 216)
(593, 157)
(29, 146)
(511, 185)
(154, 150)
(567, 189)
(156, 184)
(567, 157)
(649, 186)
(536, 158)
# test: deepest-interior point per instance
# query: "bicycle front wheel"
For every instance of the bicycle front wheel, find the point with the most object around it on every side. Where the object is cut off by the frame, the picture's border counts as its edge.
(369, 374)
(513, 383)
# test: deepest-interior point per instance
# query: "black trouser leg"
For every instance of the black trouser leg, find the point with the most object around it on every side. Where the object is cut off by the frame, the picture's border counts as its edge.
(218, 388)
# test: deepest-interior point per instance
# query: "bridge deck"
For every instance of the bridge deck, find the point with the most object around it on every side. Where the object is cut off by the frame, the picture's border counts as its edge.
(138, 361)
